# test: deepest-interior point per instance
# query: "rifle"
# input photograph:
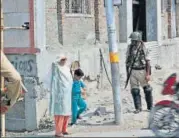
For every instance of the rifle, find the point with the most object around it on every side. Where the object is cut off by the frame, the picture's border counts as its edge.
(129, 73)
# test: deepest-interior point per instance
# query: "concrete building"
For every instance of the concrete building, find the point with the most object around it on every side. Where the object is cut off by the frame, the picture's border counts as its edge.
(78, 29)
(81, 25)
(21, 46)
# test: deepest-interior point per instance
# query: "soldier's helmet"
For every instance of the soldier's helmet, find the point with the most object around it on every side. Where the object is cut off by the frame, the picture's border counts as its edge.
(137, 36)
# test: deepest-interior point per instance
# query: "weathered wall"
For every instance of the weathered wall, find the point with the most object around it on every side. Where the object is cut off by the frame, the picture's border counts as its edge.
(169, 53)
(22, 115)
(78, 30)
(26, 114)
(26, 65)
(14, 10)
(169, 19)
(52, 27)
(78, 35)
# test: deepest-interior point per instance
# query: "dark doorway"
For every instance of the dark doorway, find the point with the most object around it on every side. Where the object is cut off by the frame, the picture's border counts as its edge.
(139, 17)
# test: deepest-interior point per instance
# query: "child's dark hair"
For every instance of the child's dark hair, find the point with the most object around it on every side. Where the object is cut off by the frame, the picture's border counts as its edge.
(79, 73)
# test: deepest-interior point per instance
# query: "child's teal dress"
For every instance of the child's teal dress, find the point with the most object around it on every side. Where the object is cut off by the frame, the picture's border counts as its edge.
(77, 100)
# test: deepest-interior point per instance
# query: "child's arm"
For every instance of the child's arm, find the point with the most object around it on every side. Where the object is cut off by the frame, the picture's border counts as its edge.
(83, 90)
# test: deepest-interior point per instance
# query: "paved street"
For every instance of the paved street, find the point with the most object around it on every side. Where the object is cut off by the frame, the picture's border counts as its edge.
(130, 133)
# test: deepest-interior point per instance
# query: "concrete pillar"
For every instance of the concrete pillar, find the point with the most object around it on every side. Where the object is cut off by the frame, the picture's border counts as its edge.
(159, 22)
(96, 16)
(171, 19)
(125, 20)
(100, 21)
(40, 24)
(152, 10)
(177, 17)
(60, 19)
(173, 28)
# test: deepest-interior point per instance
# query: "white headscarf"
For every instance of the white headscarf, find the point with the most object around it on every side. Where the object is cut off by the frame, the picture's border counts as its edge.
(60, 57)
(65, 69)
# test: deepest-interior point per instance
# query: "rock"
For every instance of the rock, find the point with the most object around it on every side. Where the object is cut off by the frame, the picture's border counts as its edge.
(105, 119)
(100, 111)
(158, 67)
(124, 101)
(125, 111)
(160, 79)
(97, 113)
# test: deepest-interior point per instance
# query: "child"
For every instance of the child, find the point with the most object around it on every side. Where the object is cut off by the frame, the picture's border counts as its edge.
(78, 90)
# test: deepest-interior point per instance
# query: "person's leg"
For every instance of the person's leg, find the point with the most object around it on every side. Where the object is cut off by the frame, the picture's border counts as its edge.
(148, 96)
(82, 106)
(137, 99)
(147, 89)
(135, 91)
(74, 110)
(79, 117)
(65, 125)
(59, 120)
(13, 78)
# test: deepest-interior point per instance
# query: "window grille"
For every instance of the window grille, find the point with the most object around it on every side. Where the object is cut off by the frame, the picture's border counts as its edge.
(78, 6)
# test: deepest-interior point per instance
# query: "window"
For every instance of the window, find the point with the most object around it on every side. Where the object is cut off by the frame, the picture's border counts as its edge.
(78, 6)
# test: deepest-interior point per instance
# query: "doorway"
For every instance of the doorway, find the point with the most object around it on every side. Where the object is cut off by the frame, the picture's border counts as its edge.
(139, 17)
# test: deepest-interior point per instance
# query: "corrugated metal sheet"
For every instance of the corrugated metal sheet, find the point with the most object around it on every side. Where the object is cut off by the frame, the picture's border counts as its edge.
(16, 12)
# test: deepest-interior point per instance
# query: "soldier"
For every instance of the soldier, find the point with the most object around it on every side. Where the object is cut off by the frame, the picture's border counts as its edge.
(138, 62)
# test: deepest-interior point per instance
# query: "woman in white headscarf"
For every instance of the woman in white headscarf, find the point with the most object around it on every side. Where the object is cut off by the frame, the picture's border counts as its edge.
(60, 95)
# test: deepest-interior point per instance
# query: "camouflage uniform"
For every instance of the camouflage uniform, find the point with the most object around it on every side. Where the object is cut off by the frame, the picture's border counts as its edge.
(138, 74)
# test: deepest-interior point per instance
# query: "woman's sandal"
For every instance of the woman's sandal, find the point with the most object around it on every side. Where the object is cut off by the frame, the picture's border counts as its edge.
(60, 135)
(66, 133)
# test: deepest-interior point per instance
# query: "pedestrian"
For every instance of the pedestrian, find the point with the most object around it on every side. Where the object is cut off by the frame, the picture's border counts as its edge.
(60, 95)
(13, 88)
(78, 96)
(138, 61)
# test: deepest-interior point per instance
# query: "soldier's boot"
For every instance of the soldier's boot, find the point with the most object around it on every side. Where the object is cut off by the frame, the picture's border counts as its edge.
(137, 99)
(148, 96)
